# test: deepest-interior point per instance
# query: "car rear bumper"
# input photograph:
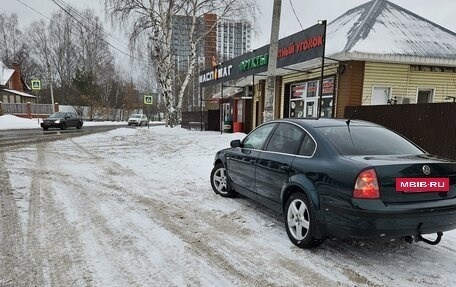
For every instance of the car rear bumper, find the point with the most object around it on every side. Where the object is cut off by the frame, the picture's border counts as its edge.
(356, 223)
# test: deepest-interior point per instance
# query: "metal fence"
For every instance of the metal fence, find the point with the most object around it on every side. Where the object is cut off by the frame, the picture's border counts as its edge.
(431, 126)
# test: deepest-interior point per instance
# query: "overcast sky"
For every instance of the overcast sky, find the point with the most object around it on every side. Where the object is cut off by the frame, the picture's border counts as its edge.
(308, 12)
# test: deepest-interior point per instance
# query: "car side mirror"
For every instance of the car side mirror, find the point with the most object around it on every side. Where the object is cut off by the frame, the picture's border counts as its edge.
(235, 143)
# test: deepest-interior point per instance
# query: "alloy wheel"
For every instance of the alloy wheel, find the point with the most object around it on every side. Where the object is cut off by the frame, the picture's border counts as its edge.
(298, 219)
(219, 180)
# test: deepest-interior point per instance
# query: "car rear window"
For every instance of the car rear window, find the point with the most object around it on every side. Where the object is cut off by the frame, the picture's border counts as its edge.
(368, 140)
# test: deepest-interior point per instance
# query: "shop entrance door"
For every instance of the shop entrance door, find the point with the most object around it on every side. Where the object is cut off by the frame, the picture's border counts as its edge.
(310, 110)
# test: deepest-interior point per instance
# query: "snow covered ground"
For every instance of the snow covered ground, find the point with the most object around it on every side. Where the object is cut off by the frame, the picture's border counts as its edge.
(134, 207)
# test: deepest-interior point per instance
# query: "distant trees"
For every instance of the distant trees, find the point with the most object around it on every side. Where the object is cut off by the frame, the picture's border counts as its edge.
(14, 48)
(72, 53)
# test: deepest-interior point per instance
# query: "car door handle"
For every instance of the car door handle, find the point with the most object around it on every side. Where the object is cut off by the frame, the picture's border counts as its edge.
(285, 168)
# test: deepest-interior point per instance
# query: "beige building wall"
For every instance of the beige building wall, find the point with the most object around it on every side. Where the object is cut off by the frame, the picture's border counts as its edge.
(405, 80)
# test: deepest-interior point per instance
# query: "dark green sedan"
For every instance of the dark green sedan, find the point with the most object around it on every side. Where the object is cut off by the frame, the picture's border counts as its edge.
(340, 178)
(62, 120)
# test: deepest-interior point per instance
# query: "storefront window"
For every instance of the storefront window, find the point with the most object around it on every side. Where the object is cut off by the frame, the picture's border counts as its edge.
(227, 117)
(297, 91)
(304, 98)
(239, 111)
(312, 89)
(297, 109)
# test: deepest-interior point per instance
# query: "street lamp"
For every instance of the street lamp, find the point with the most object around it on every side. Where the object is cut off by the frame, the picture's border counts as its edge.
(322, 22)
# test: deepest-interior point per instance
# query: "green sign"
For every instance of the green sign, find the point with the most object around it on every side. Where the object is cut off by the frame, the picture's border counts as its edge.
(258, 61)
(36, 85)
(148, 100)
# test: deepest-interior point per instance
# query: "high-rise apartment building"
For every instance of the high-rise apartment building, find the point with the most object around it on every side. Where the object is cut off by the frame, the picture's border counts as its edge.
(221, 41)
(233, 39)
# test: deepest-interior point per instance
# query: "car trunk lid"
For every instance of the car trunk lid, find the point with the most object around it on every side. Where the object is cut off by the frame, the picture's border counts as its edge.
(413, 178)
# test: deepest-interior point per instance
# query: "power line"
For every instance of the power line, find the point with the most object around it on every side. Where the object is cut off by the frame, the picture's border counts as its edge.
(294, 11)
(88, 21)
(33, 9)
(84, 26)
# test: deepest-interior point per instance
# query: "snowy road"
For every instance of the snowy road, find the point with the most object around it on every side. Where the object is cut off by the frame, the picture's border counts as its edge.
(134, 207)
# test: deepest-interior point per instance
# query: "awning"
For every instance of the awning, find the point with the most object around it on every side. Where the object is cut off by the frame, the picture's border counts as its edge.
(234, 87)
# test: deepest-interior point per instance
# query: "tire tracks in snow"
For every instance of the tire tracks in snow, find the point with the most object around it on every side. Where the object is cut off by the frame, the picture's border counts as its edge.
(50, 236)
(11, 238)
(183, 223)
(106, 239)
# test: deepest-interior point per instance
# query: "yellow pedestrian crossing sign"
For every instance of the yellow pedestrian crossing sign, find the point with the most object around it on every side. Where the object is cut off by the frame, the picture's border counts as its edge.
(148, 100)
(36, 85)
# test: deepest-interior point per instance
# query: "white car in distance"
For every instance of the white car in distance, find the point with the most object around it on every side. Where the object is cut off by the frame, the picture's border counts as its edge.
(137, 119)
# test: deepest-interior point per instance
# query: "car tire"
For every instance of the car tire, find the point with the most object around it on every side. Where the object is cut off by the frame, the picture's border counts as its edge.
(79, 125)
(45, 128)
(300, 221)
(220, 181)
(62, 126)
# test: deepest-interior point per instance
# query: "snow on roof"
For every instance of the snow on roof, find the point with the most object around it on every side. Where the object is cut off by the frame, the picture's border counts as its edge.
(5, 74)
(19, 93)
(381, 27)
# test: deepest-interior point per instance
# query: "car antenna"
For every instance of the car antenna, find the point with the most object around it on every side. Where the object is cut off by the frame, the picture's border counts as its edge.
(351, 117)
(348, 126)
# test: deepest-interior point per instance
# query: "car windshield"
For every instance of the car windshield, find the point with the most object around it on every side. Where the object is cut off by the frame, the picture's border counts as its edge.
(136, 116)
(365, 140)
(57, 115)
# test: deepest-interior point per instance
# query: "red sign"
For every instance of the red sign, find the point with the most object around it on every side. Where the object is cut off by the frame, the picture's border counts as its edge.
(328, 86)
(298, 91)
(412, 185)
(300, 46)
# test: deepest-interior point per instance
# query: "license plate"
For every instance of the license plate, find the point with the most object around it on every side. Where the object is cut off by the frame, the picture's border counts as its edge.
(412, 185)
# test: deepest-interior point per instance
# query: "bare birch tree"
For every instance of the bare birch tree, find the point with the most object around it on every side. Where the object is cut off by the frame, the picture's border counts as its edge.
(153, 20)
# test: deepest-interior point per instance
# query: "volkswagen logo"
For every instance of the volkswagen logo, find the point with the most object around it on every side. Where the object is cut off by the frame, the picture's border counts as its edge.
(426, 169)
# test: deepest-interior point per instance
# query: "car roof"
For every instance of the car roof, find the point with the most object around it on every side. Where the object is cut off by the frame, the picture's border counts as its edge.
(325, 122)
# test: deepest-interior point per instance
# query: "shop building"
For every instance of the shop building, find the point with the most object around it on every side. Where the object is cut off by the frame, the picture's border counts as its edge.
(376, 54)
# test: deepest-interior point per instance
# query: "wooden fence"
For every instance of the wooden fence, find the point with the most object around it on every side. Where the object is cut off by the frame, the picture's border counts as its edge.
(210, 119)
(431, 126)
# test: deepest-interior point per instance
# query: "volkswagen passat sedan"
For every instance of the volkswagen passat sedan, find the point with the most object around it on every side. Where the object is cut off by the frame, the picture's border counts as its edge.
(62, 120)
(333, 177)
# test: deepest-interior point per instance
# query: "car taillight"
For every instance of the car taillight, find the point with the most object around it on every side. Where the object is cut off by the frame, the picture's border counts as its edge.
(366, 185)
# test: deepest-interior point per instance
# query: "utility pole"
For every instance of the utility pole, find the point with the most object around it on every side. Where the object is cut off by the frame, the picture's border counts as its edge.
(50, 84)
(272, 63)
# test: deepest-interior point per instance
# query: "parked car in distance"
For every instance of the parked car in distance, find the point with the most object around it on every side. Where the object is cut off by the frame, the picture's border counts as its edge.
(340, 178)
(138, 119)
(62, 120)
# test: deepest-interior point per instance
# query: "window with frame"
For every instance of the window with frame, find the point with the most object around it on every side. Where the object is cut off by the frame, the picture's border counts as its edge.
(424, 96)
(308, 146)
(257, 138)
(285, 139)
